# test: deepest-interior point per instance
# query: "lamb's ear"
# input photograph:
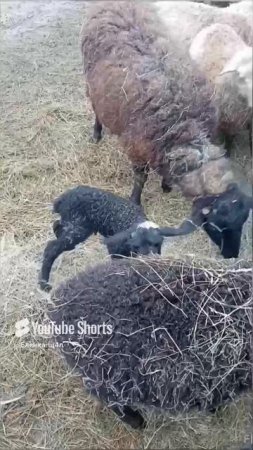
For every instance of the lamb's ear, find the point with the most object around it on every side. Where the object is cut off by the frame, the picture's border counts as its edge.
(187, 227)
(116, 242)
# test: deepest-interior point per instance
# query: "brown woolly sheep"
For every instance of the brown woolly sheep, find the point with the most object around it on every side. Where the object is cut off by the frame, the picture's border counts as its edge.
(147, 90)
(169, 335)
(226, 61)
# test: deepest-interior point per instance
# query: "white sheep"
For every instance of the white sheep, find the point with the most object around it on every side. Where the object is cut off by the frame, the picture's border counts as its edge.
(226, 61)
(184, 19)
(244, 8)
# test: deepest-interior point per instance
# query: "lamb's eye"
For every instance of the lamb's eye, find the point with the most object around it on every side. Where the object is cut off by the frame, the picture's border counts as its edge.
(240, 204)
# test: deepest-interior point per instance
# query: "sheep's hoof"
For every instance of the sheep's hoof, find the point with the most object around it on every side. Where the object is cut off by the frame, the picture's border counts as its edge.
(138, 423)
(95, 138)
(166, 187)
(134, 418)
(45, 286)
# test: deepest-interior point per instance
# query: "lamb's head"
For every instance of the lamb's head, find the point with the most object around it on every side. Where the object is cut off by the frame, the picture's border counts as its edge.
(222, 217)
(143, 239)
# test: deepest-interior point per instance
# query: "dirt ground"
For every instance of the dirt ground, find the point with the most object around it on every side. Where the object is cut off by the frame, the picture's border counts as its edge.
(45, 127)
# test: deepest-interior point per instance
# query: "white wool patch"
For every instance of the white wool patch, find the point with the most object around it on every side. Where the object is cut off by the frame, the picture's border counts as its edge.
(198, 46)
(147, 224)
(242, 63)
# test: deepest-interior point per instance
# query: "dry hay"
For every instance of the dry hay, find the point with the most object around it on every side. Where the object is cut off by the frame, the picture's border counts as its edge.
(45, 126)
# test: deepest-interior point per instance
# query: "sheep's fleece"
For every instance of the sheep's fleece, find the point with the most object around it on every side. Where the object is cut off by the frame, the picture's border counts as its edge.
(180, 335)
(145, 89)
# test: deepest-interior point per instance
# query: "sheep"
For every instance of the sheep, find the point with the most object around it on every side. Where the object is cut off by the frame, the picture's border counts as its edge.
(86, 210)
(147, 91)
(185, 19)
(221, 217)
(241, 63)
(169, 335)
(244, 8)
(126, 230)
(234, 113)
(227, 62)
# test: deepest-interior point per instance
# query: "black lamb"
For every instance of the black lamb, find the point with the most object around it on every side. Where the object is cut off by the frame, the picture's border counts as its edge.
(86, 210)
(170, 335)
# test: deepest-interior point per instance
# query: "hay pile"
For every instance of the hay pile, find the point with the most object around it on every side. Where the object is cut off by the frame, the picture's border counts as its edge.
(45, 126)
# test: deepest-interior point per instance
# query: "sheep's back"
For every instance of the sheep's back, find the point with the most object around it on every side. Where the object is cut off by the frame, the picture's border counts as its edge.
(180, 336)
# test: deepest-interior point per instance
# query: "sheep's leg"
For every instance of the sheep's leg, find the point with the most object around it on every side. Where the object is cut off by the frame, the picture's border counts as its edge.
(140, 178)
(129, 416)
(65, 242)
(250, 136)
(97, 131)
(228, 143)
(166, 186)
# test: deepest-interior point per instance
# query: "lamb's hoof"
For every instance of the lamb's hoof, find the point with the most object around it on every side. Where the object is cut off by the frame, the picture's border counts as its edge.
(135, 200)
(45, 286)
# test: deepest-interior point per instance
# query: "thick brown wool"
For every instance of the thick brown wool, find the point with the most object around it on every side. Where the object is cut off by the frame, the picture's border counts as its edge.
(146, 89)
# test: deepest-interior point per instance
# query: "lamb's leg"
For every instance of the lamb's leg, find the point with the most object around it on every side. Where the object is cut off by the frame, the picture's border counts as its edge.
(129, 416)
(140, 178)
(57, 228)
(97, 131)
(65, 242)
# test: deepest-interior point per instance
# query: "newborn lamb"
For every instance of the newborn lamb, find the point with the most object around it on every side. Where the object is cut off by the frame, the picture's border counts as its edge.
(87, 210)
